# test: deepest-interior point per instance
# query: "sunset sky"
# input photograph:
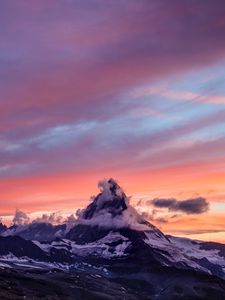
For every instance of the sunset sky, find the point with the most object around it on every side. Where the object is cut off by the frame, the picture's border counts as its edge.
(133, 90)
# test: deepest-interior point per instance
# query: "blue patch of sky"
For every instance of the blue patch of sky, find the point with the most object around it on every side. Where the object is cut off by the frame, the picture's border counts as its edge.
(212, 132)
(209, 80)
(173, 114)
(168, 113)
(60, 135)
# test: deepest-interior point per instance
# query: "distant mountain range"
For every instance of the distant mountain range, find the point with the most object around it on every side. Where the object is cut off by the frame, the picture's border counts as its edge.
(111, 240)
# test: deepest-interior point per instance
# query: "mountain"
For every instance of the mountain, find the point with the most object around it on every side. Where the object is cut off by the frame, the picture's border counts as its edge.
(111, 240)
(38, 231)
(110, 212)
(15, 246)
(2, 228)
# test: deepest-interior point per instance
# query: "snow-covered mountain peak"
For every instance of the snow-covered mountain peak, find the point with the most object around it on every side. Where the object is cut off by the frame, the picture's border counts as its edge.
(111, 209)
(110, 212)
(111, 200)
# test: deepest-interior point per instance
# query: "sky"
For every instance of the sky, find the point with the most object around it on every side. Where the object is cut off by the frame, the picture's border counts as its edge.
(133, 90)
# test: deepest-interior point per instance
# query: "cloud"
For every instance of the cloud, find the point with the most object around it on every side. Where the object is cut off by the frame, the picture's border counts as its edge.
(75, 73)
(130, 40)
(111, 209)
(67, 70)
(196, 231)
(20, 218)
(54, 218)
(161, 220)
(179, 95)
(190, 206)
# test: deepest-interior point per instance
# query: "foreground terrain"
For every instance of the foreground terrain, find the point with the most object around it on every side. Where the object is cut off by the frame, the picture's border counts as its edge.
(22, 283)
